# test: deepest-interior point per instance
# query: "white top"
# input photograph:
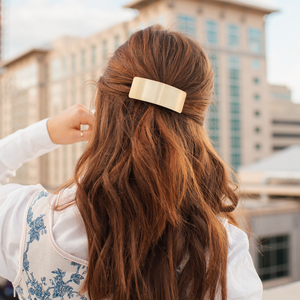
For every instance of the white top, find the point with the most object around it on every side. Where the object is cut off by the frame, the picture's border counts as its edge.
(68, 233)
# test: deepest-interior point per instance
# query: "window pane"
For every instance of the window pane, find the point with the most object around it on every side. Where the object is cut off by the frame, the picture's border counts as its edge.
(104, 49)
(117, 42)
(212, 32)
(93, 55)
(255, 40)
(187, 24)
(73, 63)
(273, 258)
(233, 35)
(82, 59)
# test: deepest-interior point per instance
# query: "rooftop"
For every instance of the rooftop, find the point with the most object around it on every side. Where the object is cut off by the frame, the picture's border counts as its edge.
(286, 160)
(23, 55)
(260, 5)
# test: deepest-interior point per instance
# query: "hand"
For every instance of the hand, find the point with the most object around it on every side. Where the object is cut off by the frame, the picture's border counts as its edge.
(64, 128)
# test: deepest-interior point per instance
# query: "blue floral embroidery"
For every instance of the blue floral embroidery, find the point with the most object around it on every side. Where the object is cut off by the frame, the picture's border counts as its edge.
(57, 286)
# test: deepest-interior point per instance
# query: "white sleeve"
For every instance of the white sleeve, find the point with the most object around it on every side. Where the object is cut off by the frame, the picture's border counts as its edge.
(16, 149)
(23, 146)
(243, 281)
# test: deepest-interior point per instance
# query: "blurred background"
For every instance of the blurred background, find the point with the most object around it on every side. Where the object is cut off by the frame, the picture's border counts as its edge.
(51, 48)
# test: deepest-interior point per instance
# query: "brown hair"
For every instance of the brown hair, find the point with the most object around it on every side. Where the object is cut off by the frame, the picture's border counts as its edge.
(150, 187)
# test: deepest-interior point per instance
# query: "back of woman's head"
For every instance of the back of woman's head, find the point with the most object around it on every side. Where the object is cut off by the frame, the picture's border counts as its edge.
(150, 187)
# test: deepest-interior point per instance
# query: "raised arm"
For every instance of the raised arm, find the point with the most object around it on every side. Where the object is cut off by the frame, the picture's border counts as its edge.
(17, 149)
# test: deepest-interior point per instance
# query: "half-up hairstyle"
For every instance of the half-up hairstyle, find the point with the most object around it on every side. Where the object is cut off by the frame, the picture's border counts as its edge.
(151, 189)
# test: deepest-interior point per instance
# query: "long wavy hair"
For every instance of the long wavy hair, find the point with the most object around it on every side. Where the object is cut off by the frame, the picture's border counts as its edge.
(151, 189)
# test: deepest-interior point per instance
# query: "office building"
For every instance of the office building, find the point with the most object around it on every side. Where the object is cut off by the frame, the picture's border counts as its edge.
(285, 118)
(233, 34)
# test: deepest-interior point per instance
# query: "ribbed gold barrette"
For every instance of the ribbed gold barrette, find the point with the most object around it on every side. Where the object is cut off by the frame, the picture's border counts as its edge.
(157, 93)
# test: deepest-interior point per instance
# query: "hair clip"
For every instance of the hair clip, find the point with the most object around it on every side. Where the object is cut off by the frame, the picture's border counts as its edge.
(157, 93)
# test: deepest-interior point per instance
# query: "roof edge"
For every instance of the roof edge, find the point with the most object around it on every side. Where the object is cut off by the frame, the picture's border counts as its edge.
(137, 4)
(22, 55)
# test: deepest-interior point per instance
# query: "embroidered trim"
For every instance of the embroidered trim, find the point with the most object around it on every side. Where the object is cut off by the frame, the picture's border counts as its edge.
(61, 252)
(23, 240)
(57, 286)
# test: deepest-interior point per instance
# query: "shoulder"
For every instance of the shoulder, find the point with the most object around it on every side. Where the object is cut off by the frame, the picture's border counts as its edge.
(69, 235)
(243, 281)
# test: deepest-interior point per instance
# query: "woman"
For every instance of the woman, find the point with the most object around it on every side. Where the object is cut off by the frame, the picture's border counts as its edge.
(148, 214)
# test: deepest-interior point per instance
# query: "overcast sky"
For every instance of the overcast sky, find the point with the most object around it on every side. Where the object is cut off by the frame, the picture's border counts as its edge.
(30, 23)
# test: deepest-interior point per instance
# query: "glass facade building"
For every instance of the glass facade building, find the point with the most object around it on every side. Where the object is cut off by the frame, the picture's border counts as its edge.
(235, 111)
(213, 110)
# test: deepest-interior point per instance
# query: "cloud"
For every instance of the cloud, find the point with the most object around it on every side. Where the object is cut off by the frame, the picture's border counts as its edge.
(36, 22)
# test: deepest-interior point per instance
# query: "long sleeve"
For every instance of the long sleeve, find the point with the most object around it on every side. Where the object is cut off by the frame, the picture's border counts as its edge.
(243, 281)
(16, 149)
(23, 146)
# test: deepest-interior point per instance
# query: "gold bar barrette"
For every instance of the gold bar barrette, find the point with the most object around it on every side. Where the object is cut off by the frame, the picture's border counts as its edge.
(157, 93)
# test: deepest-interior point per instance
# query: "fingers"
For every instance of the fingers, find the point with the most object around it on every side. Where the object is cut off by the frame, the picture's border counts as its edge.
(86, 135)
(86, 117)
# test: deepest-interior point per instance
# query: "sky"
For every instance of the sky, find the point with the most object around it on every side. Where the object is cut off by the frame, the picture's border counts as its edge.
(35, 23)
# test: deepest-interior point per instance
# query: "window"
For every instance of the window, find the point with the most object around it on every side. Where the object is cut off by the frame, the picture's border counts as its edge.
(93, 55)
(162, 20)
(212, 32)
(73, 63)
(234, 108)
(287, 135)
(187, 24)
(255, 40)
(213, 111)
(235, 142)
(214, 62)
(64, 67)
(73, 92)
(215, 141)
(257, 129)
(117, 42)
(255, 64)
(55, 69)
(46, 72)
(104, 49)
(130, 32)
(213, 123)
(283, 122)
(233, 35)
(257, 146)
(234, 99)
(281, 96)
(257, 113)
(235, 125)
(256, 97)
(256, 80)
(82, 59)
(236, 159)
(273, 257)
(56, 97)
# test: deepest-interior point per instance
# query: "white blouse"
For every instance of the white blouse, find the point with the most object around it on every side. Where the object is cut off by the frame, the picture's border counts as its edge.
(68, 230)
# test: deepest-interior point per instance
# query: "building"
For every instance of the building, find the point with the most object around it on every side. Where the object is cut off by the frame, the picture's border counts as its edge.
(232, 32)
(285, 117)
(274, 239)
(272, 187)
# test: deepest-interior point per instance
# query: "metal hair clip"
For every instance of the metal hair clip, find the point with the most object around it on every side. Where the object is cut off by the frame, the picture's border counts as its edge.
(157, 93)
